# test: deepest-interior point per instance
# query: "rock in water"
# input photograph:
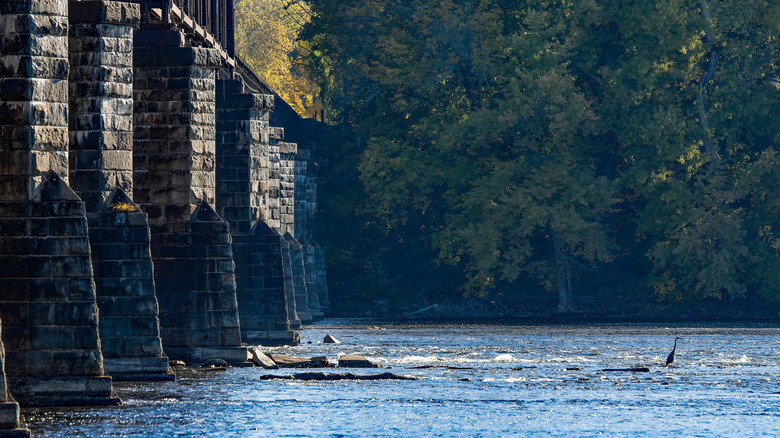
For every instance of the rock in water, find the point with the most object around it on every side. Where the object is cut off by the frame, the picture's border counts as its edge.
(320, 362)
(215, 363)
(262, 360)
(356, 362)
(330, 340)
(300, 362)
(338, 376)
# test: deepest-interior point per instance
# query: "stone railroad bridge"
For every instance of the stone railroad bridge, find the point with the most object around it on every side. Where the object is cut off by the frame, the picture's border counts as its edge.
(150, 207)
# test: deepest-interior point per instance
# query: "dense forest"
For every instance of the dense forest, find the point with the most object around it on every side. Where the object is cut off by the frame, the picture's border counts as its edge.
(606, 157)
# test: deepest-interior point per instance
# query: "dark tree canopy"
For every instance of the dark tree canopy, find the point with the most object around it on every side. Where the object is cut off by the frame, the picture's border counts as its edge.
(613, 157)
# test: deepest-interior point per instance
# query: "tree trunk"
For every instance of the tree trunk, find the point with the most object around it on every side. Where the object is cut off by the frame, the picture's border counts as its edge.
(708, 142)
(563, 275)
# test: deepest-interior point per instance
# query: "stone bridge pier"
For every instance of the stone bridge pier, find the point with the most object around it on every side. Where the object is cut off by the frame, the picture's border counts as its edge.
(148, 209)
(174, 171)
(312, 298)
(242, 175)
(279, 210)
(101, 173)
(47, 300)
(305, 216)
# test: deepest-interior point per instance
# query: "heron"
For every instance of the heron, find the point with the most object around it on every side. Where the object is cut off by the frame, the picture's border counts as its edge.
(670, 358)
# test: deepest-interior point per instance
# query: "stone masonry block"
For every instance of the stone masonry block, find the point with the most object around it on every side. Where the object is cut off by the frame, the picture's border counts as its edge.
(108, 12)
(176, 56)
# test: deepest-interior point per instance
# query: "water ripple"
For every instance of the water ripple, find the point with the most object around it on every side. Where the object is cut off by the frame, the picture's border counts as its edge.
(474, 380)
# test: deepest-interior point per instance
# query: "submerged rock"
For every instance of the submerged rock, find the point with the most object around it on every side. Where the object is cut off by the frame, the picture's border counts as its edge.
(630, 370)
(446, 367)
(215, 363)
(338, 376)
(330, 340)
(213, 368)
(356, 362)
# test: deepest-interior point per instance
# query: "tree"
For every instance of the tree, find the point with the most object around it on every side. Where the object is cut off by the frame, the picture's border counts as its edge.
(267, 39)
(546, 142)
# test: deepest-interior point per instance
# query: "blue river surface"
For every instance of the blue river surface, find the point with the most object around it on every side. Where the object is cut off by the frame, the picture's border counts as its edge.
(472, 380)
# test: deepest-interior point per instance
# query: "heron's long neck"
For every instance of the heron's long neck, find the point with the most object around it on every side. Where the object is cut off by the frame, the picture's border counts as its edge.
(675, 345)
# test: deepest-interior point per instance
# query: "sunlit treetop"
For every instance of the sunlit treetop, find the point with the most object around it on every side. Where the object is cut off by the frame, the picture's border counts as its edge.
(267, 39)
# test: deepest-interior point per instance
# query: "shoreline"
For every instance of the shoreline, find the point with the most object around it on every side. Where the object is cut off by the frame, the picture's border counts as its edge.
(567, 320)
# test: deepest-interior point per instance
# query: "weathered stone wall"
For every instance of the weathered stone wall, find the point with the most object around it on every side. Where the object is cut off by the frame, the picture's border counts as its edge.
(174, 171)
(299, 280)
(303, 189)
(272, 206)
(101, 99)
(9, 409)
(33, 95)
(101, 166)
(139, 118)
(295, 277)
(310, 152)
(174, 116)
(242, 154)
(47, 300)
(287, 153)
(241, 179)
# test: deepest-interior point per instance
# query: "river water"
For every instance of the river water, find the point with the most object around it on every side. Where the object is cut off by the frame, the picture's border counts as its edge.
(473, 380)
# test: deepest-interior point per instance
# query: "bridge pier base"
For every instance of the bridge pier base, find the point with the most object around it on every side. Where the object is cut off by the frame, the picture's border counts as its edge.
(9, 409)
(197, 290)
(124, 277)
(48, 302)
(295, 277)
(269, 260)
(311, 279)
(322, 280)
(296, 321)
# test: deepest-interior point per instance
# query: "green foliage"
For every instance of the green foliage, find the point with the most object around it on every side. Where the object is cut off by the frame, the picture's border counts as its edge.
(598, 149)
